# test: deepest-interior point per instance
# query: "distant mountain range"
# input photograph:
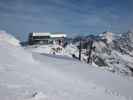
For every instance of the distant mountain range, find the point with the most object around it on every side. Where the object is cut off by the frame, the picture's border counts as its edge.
(112, 51)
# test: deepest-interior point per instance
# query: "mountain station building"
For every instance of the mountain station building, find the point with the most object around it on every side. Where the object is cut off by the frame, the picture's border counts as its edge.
(44, 38)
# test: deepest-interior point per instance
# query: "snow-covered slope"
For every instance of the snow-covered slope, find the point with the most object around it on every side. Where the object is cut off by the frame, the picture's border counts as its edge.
(26, 76)
(5, 37)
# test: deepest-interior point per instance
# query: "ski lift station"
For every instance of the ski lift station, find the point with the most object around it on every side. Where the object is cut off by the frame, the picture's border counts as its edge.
(36, 38)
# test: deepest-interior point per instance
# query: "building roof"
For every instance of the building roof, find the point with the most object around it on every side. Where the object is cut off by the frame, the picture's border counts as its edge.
(40, 34)
(57, 33)
(52, 35)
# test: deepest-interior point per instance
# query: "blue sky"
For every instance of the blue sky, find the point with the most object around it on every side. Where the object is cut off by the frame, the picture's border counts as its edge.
(69, 16)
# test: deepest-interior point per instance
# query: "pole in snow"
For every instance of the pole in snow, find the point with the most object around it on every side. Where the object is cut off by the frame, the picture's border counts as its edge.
(80, 49)
(89, 60)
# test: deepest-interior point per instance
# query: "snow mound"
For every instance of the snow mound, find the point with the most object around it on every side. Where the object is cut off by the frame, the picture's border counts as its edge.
(38, 96)
(50, 49)
(11, 50)
(4, 36)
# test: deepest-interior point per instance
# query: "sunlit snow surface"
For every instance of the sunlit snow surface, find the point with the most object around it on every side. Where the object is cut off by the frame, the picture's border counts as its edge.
(34, 76)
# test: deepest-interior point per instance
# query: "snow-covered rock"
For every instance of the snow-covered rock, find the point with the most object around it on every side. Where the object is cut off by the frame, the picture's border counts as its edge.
(130, 37)
(100, 45)
(108, 36)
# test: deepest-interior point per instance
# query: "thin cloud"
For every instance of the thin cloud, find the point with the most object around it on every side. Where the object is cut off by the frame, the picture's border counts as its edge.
(70, 16)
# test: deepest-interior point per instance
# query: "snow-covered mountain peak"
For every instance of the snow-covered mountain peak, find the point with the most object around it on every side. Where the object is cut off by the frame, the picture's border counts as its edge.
(130, 36)
(108, 36)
